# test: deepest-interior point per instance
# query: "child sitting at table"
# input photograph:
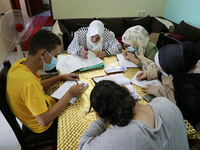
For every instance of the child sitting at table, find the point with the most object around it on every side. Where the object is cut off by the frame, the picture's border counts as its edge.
(139, 49)
(158, 125)
(95, 38)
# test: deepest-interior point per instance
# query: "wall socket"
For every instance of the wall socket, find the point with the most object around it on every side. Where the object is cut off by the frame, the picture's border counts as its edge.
(139, 12)
(143, 12)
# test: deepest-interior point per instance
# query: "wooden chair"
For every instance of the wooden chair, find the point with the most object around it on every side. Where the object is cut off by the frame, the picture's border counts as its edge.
(27, 138)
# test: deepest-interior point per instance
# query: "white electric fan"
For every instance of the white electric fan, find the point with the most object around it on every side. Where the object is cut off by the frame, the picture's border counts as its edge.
(16, 27)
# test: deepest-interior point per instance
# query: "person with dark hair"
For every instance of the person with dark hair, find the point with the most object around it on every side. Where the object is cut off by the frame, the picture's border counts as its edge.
(25, 94)
(157, 125)
(180, 67)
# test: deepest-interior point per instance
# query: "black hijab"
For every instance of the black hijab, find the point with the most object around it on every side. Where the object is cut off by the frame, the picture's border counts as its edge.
(178, 59)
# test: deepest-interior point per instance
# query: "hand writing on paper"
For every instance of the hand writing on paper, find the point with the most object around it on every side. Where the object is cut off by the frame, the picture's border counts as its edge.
(141, 75)
(101, 54)
(70, 77)
(76, 89)
(84, 54)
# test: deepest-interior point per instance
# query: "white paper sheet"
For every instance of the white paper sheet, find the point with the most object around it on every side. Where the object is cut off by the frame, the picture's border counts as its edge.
(144, 83)
(125, 63)
(121, 80)
(60, 92)
(71, 63)
(117, 78)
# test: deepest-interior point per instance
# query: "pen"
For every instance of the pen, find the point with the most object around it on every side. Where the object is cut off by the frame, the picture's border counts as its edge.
(76, 82)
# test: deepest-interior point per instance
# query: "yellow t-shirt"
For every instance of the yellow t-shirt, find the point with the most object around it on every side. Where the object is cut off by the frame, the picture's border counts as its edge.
(26, 97)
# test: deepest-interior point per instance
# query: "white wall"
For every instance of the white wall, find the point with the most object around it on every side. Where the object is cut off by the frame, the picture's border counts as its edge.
(65, 9)
(5, 45)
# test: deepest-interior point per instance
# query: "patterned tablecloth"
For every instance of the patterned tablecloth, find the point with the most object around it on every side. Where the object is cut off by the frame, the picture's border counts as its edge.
(73, 122)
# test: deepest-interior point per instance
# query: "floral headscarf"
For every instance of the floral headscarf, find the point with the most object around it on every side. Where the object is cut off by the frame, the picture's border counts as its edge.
(138, 37)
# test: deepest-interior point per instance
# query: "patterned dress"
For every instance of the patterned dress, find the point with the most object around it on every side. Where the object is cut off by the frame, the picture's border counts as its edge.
(110, 44)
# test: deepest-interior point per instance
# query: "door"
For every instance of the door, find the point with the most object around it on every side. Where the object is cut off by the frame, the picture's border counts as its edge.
(15, 4)
(35, 7)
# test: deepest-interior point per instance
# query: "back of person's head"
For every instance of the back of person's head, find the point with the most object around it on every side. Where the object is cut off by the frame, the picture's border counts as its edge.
(43, 39)
(178, 58)
(112, 102)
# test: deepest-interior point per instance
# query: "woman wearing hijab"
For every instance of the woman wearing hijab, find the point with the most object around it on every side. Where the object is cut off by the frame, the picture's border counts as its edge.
(180, 66)
(95, 38)
(140, 50)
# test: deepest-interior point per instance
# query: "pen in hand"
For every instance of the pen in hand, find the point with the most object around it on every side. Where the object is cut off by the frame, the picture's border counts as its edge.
(77, 82)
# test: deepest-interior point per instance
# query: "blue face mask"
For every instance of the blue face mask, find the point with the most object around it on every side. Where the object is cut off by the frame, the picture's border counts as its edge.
(164, 73)
(50, 66)
(131, 49)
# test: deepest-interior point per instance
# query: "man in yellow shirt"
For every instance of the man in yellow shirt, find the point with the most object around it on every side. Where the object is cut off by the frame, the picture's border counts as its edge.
(25, 94)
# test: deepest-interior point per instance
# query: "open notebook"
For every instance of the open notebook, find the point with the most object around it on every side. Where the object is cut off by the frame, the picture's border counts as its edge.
(125, 63)
(71, 63)
(60, 92)
(144, 83)
(121, 80)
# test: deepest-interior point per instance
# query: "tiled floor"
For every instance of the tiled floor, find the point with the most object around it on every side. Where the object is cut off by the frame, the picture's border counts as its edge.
(8, 140)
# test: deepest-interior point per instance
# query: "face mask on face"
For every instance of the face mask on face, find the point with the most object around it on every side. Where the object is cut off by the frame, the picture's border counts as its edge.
(131, 49)
(50, 66)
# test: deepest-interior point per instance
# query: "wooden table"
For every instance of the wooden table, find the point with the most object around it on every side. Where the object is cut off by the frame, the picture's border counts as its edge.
(73, 122)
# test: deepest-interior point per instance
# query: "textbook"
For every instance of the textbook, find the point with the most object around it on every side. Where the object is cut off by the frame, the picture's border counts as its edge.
(119, 79)
(60, 92)
(71, 63)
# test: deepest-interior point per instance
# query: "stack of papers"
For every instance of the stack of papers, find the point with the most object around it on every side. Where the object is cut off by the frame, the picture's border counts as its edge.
(71, 63)
(144, 83)
(60, 92)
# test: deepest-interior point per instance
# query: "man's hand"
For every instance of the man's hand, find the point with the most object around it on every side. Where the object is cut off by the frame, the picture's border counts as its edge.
(76, 90)
(101, 54)
(84, 54)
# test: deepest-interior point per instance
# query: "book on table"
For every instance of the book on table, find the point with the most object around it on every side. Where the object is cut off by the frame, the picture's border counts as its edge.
(71, 63)
(60, 92)
(119, 79)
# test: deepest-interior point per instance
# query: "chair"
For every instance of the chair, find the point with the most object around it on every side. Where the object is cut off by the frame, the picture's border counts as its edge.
(27, 138)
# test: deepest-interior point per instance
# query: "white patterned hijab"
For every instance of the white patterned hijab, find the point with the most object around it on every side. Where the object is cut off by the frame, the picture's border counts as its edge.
(95, 27)
(138, 37)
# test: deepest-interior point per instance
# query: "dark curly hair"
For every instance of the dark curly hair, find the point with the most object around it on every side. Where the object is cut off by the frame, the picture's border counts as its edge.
(43, 39)
(112, 102)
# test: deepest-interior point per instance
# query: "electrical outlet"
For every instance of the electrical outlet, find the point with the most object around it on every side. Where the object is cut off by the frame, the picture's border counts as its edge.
(139, 12)
(143, 12)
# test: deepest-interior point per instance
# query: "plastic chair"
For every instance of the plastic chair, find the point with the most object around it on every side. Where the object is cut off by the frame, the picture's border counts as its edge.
(26, 138)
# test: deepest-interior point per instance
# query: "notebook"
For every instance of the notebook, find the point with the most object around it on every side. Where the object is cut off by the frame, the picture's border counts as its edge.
(71, 63)
(121, 80)
(144, 83)
(125, 63)
(60, 92)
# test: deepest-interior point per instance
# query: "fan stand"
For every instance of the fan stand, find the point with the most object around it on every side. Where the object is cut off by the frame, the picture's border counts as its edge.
(20, 54)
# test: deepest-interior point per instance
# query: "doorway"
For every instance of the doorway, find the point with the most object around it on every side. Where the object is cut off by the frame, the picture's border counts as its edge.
(33, 8)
